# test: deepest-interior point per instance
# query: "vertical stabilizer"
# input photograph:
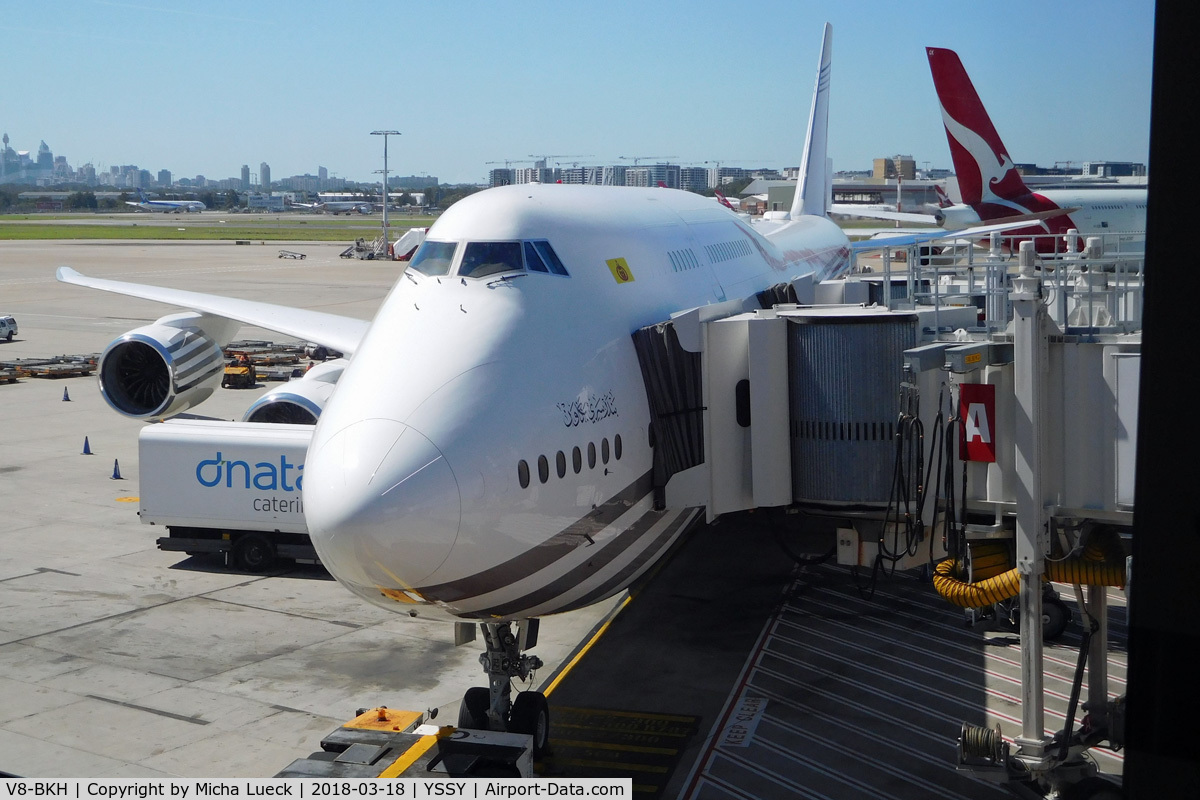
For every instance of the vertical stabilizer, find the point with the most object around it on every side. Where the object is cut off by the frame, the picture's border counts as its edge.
(985, 171)
(811, 196)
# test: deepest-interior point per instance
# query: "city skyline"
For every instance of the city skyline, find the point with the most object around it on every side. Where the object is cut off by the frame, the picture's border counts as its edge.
(303, 83)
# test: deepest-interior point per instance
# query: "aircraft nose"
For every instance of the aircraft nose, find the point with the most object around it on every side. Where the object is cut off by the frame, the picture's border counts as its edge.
(377, 492)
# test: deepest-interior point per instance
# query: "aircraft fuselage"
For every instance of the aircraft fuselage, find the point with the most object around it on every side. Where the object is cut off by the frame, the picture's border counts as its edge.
(486, 454)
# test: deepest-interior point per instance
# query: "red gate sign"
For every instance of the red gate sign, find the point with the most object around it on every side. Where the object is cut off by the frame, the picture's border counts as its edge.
(977, 421)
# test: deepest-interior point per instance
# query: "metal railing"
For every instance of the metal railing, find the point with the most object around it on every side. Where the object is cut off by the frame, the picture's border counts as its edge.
(1097, 290)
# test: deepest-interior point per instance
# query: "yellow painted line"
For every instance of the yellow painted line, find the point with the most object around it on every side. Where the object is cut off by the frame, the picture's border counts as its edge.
(579, 656)
(410, 757)
(630, 748)
(656, 734)
(128, 499)
(598, 712)
(616, 766)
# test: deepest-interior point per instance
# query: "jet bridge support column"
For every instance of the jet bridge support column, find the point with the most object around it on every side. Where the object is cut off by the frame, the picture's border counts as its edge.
(1032, 535)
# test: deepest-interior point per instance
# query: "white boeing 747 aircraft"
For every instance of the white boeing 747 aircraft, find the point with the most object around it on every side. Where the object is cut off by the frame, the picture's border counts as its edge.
(501, 469)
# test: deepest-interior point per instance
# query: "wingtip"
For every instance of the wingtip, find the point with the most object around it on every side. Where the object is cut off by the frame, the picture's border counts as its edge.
(65, 274)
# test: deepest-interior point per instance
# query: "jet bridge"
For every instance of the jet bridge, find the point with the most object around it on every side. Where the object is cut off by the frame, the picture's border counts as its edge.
(979, 414)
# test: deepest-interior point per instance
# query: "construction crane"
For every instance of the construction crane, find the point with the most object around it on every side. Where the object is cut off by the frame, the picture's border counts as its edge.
(546, 158)
(636, 159)
(508, 162)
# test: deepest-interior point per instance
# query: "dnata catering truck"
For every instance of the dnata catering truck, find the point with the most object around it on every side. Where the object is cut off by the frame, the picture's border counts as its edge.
(227, 487)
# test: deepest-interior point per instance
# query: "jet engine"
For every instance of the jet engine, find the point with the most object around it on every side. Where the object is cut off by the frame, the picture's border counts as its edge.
(299, 401)
(166, 367)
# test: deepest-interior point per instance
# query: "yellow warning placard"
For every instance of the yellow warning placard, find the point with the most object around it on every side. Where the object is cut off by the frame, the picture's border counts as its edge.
(620, 270)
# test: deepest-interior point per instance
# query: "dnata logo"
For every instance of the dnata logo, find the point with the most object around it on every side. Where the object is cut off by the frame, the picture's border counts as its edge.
(268, 476)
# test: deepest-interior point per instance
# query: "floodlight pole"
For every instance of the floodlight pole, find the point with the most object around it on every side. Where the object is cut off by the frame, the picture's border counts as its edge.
(385, 134)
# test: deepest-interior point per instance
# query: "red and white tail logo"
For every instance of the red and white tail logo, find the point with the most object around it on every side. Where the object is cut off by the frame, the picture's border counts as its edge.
(985, 171)
(943, 198)
(987, 179)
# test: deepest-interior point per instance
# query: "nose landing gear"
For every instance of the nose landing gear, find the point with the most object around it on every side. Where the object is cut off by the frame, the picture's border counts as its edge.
(494, 708)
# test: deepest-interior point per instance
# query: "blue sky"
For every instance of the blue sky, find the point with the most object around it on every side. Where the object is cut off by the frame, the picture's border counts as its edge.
(204, 87)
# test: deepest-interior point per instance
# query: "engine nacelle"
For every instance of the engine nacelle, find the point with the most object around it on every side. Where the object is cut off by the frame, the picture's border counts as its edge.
(300, 400)
(960, 216)
(166, 367)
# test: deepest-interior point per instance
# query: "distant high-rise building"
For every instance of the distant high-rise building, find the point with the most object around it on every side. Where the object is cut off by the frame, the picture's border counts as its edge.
(264, 176)
(245, 176)
(693, 179)
(322, 174)
(164, 177)
(653, 175)
(896, 166)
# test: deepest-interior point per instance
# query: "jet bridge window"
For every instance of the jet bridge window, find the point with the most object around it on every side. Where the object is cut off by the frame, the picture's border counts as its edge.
(433, 258)
(481, 259)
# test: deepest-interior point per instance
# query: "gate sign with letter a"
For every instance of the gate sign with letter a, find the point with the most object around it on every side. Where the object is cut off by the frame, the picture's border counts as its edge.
(977, 415)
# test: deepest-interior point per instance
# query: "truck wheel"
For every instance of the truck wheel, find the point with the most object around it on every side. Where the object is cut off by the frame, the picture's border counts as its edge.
(253, 552)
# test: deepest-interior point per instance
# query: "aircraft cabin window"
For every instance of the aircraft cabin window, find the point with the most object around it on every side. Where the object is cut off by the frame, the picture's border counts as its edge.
(604, 450)
(523, 474)
(433, 258)
(617, 447)
(560, 464)
(576, 460)
(591, 455)
(481, 259)
(543, 469)
(550, 257)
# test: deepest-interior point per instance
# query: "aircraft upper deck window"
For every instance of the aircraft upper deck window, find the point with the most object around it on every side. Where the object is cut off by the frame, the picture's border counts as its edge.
(433, 258)
(488, 258)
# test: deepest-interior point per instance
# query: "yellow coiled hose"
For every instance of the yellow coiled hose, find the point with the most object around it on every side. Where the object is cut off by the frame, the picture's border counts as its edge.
(1084, 571)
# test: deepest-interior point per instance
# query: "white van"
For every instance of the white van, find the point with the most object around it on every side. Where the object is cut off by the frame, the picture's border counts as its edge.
(8, 327)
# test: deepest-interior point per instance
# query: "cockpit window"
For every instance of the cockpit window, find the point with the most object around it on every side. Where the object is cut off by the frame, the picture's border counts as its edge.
(550, 257)
(533, 261)
(433, 258)
(488, 258)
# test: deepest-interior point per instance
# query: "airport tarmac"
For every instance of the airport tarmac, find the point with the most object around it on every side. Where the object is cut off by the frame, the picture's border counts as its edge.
(120, 660)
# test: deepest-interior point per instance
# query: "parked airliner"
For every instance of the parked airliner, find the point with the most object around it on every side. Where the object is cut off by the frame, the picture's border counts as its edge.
(993, 191)
(989, 183)
(501, 469)
(167, 206)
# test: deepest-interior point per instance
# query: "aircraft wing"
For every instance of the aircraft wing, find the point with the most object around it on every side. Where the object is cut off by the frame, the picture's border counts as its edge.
(907, 239)
(340, 333)
(852, 210)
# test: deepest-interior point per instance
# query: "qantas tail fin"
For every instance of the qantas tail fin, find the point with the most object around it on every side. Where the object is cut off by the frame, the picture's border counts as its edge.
(985, 171)
(943, 198)
(812, 188)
